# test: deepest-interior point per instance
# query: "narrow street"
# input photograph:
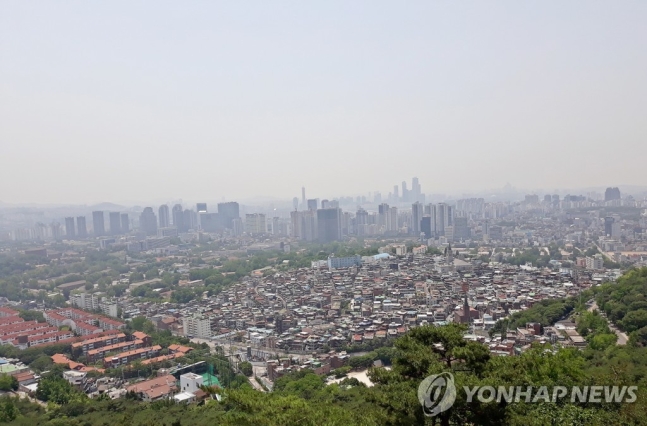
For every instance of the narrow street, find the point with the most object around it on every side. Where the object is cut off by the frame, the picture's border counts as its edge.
(622, 337)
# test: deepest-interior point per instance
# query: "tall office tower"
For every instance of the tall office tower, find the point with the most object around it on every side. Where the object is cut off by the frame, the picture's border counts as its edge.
(324, 204)
(229, 211)
(69, 228)
(178, 218)
(416, 191)
(125, 223)
(255, 224)
(303, 197)
(392, 221)
(201, 209)
(608, 226)
(296, 220)
(98, 223)
(148, 222)
(345, 223)
(425, 226)
(333, 204)
(329, 225)
(309, 225)
(396, 196)
(611, 194)
(81, 228)
(461, 229)
(312, 204)
(439, 210)
(211, 222)
(295, 203)
(276, 229)
(405, 192)
(163, 216)
(382, 215)
(190, 219)
(361, 220)
(114, 218)
(444, 218)
(416, 217)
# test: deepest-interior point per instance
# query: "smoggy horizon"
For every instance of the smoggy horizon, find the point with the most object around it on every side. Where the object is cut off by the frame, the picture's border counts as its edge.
(119, 102)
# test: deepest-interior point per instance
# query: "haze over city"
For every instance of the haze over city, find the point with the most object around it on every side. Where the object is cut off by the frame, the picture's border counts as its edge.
(323, 213)
(132, 103)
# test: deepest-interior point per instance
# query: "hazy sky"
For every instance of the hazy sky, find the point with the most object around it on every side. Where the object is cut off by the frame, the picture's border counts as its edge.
(115, 101)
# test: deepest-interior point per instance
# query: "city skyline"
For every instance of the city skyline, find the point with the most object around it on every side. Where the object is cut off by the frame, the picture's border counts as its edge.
(244, 102)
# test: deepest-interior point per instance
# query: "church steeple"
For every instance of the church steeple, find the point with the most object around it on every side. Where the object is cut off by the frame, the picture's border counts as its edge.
(449, 253)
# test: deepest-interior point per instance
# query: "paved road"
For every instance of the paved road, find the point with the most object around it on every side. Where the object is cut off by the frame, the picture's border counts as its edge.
(622, 337)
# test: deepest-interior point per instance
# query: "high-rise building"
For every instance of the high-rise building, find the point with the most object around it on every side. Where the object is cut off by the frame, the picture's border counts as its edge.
(612, 194)
(608, 225)
(237, 227)
(296, 224)
(382, 216)
(69, 228)
(392, 220)
(148, 222)
(163, 216)
(396, 195)
(255, 224)
(324, 204)
(312, 204)
(190, 219)
(81, 228)
(178, 218)
(416, 191)
(416, 217)
(276, 229)
(309, 225)
(461, 229)
(125, 223)
(98, 223)
(303, 197)
(201, 207)
(229, 211)
(361, 221)
(329, 225)
(211, 222)
(114, 219)
(197, 326)
(405, 192)
(425, 226)
(444, 215)
(295, 203)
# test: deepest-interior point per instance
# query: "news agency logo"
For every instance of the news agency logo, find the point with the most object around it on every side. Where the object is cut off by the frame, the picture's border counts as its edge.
(437, 393)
